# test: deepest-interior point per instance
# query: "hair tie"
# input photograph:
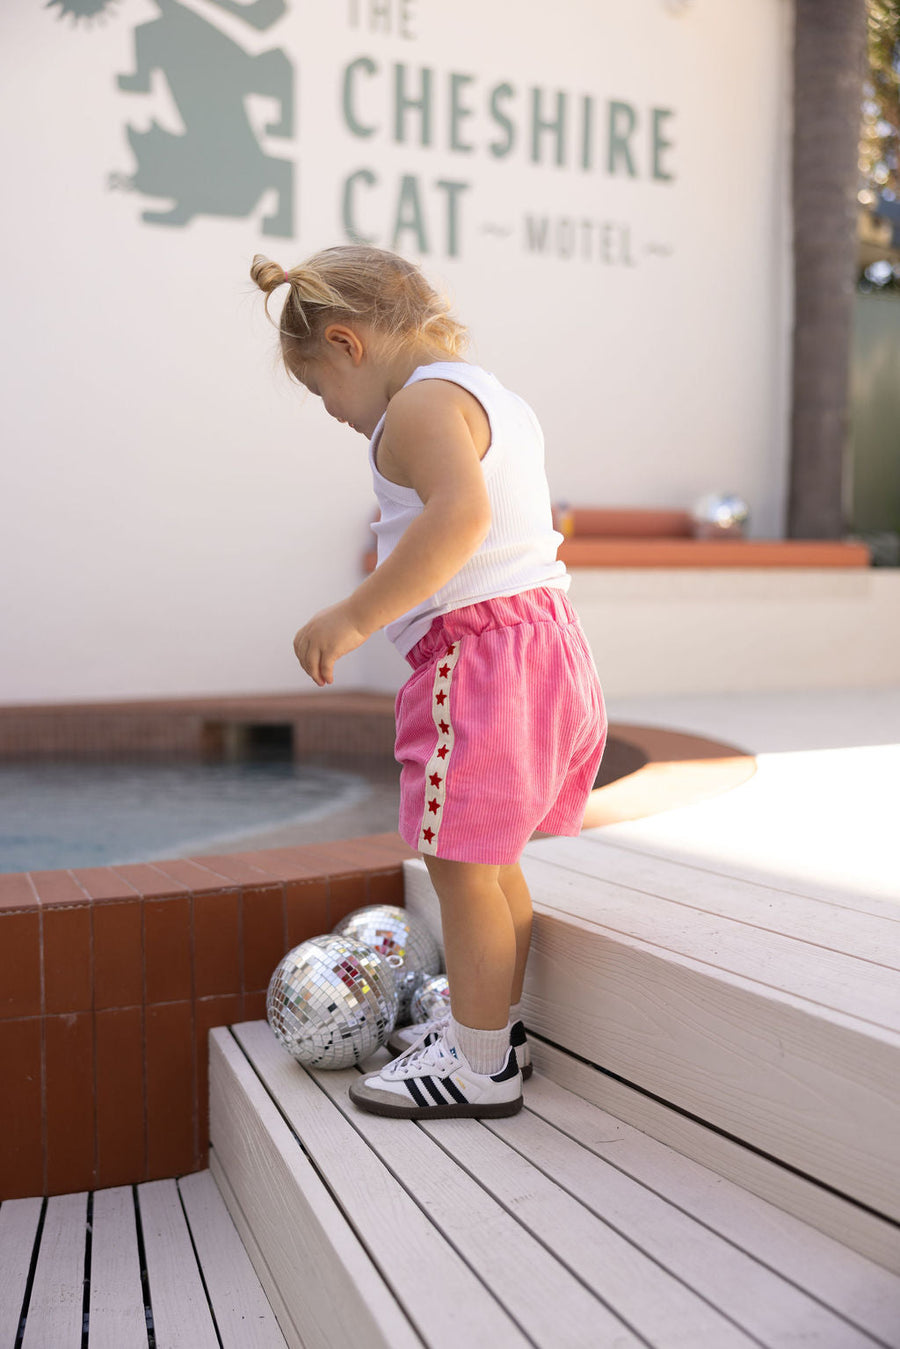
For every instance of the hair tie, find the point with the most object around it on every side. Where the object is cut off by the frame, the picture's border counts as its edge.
(286, 277)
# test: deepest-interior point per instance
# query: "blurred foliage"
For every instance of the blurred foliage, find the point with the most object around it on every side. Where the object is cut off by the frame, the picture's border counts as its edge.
(879, 151)
(879, 147)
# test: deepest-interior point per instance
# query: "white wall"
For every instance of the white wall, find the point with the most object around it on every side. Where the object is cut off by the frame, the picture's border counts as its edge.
(172, 509)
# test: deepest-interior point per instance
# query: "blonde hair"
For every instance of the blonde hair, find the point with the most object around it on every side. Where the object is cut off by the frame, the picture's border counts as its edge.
(356, 281)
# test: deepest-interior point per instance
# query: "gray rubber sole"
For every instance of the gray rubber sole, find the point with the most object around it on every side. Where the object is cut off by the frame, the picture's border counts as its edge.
(375, 1104)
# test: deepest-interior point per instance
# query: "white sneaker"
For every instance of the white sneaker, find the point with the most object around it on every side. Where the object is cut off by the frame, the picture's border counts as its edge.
(426, 1031)
(435, 1081)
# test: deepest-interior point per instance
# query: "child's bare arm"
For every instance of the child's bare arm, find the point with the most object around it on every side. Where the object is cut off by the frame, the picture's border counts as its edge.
(431, 447)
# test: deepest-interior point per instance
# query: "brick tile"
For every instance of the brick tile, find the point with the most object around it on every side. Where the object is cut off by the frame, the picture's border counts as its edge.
(20, 963)
(121, 1143)
(217, 946)
(118, 954)
(385, 887)
(149, 882)
(171, 1089)
(255, 1005)
(69, 1049)
(262, 919)
(68, 979)
(57, 887)
(236, 868)
(21, 1110)
(347, 893)
(210, 1012)
(167, 949)
(285, 864)
(198, 879)
(307, 909)
(375, 851)
(103, 885)
(16, 891)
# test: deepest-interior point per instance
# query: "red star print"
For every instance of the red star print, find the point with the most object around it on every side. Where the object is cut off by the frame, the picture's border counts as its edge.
(450, 650)
(433, 806)
(440, 697)
(428, 835)
(443, 752)
(444, 671)
(435, 780)
(444, 727)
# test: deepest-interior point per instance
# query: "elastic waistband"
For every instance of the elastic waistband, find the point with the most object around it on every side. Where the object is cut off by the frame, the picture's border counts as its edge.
(544, 604)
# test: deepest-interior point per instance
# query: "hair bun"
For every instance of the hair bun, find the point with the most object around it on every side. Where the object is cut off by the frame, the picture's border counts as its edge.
(267, 274)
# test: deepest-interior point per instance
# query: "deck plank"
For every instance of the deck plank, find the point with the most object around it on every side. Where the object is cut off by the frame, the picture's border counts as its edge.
(661, 1308)
(55, 1312)
(806, 919)
(340, 1297)
(243, 1315)
(828, 979)
(726, 1049)
(863, 1292)
(117, 1318)
(19, 1220)
(181, 1314)
(255, 1255)
(444, 1232)
(730, 1167)
(742, 1288)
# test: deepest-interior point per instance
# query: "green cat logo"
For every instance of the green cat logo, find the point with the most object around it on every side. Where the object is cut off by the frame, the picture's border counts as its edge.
(79, 9)
(216, 166)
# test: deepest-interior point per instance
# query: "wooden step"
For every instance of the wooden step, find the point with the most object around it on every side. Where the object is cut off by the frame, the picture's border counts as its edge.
(758, 1027)
(113, 1268)
(561, 1226)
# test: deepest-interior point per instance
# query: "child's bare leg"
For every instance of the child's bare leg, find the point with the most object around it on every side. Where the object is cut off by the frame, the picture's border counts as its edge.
(518, 897)
(480, 943)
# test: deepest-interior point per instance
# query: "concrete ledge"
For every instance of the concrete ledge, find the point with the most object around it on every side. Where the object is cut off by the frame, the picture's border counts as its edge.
(709, 630)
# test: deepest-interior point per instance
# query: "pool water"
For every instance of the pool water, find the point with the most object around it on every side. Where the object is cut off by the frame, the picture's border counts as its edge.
(76, 814)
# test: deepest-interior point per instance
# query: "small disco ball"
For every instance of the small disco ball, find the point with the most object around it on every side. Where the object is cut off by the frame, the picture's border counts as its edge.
(394, 932)
(332, 1002)
(719, 515)
(430, 1000)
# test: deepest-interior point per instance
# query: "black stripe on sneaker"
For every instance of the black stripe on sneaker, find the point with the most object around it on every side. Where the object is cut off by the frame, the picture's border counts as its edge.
(414, 1092)
(517, 1034)
(509, 1070)
(449, 1085)
(433, 1090)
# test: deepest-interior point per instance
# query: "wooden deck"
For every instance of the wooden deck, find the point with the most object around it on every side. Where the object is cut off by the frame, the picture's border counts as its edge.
(158, 1265)
(707, 1155)
(560, 1227)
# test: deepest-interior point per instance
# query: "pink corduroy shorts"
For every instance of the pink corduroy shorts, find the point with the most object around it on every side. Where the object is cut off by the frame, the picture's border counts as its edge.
(500, 728)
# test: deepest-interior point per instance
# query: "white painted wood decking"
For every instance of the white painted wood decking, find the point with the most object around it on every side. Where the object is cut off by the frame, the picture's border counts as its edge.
(71, 1272)
(561, 1227)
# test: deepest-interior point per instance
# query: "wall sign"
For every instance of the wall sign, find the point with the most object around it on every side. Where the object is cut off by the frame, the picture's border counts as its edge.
(477, 121)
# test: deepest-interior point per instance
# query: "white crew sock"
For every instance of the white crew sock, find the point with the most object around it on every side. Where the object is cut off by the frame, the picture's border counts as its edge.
(486, 1050)
(515, 1013)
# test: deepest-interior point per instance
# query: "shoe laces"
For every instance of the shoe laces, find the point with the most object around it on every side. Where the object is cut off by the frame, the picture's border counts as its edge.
(438, 1026)
(419, 1059)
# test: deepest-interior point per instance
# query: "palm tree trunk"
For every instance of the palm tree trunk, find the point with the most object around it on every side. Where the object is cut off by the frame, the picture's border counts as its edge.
(829, 61)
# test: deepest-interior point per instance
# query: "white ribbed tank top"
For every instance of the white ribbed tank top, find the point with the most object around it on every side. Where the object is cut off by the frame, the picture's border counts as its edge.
(519, 552)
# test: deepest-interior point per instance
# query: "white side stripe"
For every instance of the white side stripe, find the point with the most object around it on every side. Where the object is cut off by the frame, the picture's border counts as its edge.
(439, 763)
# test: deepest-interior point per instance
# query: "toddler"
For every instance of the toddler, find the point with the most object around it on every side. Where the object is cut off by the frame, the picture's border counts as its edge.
(501, 724)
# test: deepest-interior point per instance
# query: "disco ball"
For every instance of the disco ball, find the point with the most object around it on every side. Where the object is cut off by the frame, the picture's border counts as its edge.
(332, 1002)
(396, 933)
(430, 1000)
(720, 515)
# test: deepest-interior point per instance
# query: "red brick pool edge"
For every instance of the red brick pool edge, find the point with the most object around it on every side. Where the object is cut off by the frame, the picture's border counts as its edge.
(112, 977)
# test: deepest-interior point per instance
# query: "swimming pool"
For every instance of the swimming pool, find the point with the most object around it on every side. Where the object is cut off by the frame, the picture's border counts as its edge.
(77, 814)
